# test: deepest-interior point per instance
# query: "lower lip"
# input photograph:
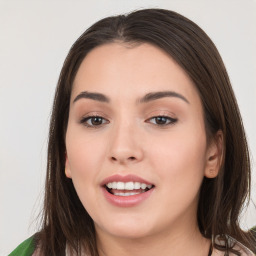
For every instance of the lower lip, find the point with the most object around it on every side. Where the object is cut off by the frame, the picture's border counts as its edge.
(126, 201)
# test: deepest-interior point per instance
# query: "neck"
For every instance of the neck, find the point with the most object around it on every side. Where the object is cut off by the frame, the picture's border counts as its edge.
(190, 242)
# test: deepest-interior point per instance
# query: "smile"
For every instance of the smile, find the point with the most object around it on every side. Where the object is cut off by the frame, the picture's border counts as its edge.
(130, 188)
(127, 190)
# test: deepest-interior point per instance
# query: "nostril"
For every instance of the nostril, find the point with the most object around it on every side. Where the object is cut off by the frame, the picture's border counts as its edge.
(129, 158)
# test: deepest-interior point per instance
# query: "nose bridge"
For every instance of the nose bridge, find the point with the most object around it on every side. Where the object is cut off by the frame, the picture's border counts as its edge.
(124, 146)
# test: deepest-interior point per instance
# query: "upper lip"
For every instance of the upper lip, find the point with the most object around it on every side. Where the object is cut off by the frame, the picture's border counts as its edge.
(126, 178)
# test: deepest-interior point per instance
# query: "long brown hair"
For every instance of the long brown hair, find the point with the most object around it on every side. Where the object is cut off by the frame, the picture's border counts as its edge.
(65, 221)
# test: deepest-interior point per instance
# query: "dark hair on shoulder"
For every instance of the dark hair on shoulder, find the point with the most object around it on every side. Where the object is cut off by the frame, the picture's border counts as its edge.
(65, 221)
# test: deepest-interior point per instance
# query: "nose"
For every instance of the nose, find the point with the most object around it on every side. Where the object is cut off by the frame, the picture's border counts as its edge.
(125, 146)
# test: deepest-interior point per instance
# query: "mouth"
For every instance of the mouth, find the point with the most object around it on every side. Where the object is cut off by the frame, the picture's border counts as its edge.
(126, 191)
(130, 188)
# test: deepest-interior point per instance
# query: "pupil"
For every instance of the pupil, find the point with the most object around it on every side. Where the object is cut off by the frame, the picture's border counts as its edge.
(161, 120)
(96, 120)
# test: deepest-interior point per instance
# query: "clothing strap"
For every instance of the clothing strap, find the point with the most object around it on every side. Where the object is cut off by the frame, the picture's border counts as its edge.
(210, 250)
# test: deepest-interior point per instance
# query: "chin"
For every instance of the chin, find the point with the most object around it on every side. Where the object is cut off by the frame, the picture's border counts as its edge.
(126, 229)
(131, 234)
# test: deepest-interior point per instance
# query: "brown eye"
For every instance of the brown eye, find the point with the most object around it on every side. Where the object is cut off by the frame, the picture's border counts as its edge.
(97, 120)
(162, 120)
(93, 121)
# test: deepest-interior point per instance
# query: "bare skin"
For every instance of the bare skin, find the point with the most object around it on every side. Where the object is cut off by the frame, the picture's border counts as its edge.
(126, 138)
(179, 244)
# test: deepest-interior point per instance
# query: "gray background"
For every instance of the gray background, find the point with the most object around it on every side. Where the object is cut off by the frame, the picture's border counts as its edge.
(35, 38)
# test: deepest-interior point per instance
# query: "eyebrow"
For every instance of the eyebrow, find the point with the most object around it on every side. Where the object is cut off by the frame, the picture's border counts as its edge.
(158, 95)
(145, 99)
(93, 96)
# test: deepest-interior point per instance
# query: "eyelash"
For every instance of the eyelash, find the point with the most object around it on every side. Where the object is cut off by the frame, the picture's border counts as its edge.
(86, 119)
(170, 120)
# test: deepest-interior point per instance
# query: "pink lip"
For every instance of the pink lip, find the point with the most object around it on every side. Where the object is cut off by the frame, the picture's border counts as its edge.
(125, 201)
(125, 178)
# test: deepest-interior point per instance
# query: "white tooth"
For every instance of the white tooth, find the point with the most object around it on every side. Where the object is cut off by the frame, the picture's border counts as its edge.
(134, 193)
(109, 185)
(118, 194)
(129, 185)
(136, 185)
(120, 185)
(143, 185)
(114, 185)
(127, 194)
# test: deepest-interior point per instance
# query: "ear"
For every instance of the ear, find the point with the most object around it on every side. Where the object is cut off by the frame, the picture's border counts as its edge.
(214, 156)
(67, 168)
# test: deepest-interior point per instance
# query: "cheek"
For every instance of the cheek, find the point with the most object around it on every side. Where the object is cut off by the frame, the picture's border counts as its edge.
(180, 158)
(85, 160)
(85, 157)
(83, 151)
(180, 168)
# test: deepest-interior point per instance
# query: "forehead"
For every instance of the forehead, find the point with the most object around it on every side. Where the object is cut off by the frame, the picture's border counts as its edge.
(117, 68)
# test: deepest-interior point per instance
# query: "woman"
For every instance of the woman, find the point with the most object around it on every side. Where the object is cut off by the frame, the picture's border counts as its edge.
(147, 151)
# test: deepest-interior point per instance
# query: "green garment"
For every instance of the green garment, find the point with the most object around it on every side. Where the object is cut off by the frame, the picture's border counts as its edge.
(26, 248)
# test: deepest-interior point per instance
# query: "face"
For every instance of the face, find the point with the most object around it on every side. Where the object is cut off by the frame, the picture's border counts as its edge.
(136, 142)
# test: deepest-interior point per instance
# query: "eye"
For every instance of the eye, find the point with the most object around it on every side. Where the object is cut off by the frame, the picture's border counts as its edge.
(162, 120)
(93, 121)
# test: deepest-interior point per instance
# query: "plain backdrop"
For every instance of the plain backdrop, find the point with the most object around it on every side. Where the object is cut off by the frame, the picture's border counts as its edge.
(35, 37)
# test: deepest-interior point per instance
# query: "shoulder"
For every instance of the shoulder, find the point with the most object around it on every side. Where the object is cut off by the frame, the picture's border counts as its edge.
(26, 248)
